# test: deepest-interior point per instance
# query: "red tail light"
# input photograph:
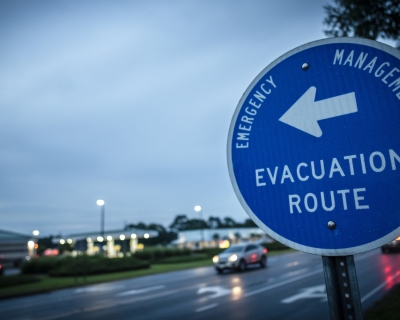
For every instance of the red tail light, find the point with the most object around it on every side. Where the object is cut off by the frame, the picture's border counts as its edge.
(265, 250)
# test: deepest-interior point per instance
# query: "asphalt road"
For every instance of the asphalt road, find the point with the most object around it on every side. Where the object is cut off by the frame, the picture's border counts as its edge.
(291, 287)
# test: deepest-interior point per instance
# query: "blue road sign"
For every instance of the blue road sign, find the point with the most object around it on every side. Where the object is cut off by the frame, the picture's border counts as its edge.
(314, 147)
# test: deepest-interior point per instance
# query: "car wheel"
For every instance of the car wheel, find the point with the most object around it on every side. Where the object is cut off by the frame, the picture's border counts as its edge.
(384, 250)
(218, 270)
(242, 265)
(263, 262)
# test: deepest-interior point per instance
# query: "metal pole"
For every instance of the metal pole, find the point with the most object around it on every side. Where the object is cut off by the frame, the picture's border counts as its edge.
(342, 288)
(102, 228)
(202, 229)
(102, 220)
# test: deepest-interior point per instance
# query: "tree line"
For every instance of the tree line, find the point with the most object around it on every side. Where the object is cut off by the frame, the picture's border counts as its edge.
(183, 223)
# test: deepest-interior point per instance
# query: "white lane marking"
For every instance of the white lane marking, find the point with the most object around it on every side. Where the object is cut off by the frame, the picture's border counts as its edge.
(308, 293)
(248, 294)
(218, 291)
(210, 306)
(130, 292)
(391, 278)
(99, 288)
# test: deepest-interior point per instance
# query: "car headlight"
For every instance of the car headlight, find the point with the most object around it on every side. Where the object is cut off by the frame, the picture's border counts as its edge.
(215, 259)
(233, 258)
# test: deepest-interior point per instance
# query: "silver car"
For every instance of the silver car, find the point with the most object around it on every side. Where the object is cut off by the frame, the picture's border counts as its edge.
(239, 256)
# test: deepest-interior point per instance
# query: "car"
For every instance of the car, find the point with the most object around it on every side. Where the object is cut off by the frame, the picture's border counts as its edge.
(391, 246)
(239, 256)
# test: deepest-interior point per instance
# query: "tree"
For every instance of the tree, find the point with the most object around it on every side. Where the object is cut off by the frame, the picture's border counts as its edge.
(164, 236)
(229, 223)
(179, 223)
(371, 19)
(214, 222)
(248, 223)
(45, 243)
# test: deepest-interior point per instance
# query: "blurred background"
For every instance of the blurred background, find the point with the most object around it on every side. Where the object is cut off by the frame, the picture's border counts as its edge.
(114, 117)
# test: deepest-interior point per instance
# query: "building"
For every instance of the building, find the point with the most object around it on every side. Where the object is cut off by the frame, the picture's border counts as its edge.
(15, 248)
(112, 243)
(211, 238)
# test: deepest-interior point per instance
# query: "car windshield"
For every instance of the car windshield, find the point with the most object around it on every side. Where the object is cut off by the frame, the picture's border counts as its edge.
(234, 249)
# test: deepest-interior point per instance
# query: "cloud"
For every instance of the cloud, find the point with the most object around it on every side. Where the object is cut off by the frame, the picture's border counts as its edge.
(130, 102)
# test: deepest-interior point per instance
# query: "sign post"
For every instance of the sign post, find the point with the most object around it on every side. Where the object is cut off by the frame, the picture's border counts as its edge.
(314, 155)
(342, 288)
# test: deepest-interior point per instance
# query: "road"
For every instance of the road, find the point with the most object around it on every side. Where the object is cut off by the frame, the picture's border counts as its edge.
(291, 287)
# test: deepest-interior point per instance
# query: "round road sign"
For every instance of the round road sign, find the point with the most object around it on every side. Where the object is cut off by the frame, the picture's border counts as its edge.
(314, 147)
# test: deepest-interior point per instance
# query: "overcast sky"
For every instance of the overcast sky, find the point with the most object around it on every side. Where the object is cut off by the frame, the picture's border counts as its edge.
(130, 102)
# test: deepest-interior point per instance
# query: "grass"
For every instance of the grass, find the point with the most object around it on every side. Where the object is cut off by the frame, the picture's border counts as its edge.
(47, 283)
(15, 280)
(388, 308)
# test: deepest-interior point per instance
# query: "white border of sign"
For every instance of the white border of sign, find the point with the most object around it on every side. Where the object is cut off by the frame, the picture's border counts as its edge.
(319, 251)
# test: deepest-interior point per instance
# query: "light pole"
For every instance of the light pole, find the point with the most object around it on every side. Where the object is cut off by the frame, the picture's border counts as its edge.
(35, 233)
(198, 209)
(101, 204)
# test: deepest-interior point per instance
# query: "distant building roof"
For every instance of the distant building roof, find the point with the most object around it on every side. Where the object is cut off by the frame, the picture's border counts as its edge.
(6, 236)
(208, 234)
(114, 233)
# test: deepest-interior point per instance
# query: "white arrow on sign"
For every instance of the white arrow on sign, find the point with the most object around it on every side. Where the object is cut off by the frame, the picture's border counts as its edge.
(308, 293)
(306, 112)
(218, 291)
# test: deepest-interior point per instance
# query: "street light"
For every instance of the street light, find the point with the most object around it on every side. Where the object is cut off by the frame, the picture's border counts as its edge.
(101, 204)
(35, 233)
(198, 209)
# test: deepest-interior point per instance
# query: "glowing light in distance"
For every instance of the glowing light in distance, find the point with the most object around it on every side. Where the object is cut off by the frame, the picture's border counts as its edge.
(146, 235)
(62, 241)
(88, 240)
(100, 239)
(31, 244)
(100, 202)
(122, 237)
(69, 241)
(109, 238)
(197, 208)
(35, 232)
(215, 259)
(133, 236)
(224, 244)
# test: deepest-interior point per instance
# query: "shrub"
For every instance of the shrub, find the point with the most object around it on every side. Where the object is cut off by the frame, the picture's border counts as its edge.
(157, 253)
(85, 265)
(41, 265)
(211, 252)
(73, 266)
(274, 246)
(143, 255)
(182, 259)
